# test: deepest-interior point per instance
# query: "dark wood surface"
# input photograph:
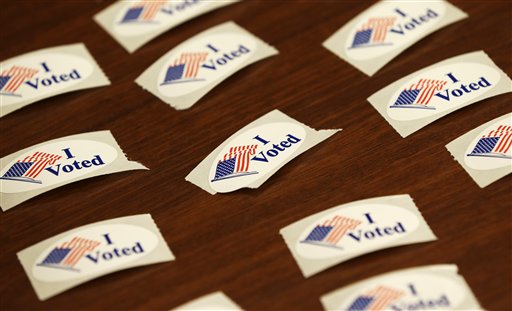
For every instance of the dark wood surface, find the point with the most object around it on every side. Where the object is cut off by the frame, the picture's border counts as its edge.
(231, 242)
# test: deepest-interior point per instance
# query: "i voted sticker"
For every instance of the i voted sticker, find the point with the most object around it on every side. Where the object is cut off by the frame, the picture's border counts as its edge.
(44, 73)
(189, 71)
(486, 152)
(431, 93)
(253, 154)
(350, 230)
(82, 254)
(202, 62)
(134, 23)
(437, 287)
(46, 166)
(214, 301)
(241, 164)
(379, 34)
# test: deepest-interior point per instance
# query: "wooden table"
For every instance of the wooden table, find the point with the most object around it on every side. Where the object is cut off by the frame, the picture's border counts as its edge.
(231, 242)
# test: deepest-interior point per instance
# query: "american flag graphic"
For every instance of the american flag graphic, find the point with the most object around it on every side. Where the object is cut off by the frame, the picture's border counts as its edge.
(373, 32)
(331, 231)
(419, 94)
(69, 253)
(497, 143)
(376, 299)
(11, 79)
(235, 163)
(142, 11)
(30, 167)
(185, 68)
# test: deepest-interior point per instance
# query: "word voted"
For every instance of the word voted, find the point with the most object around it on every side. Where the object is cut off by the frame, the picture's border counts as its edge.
(462, 89)
(422, 303)
(115, 252)
(76, 165)
(276, 148)
(53, 79)
(224, 59)
(402, 28)
(377, 231)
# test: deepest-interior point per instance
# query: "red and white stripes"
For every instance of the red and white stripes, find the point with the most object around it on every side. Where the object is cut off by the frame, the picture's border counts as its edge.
(505, 143)
(243, 154)
(192, 62)
(18, 75)
(340, 226)
(78, 246)
(150, 8)
(383, 296)
(41, 160)
(428, 88)
(380, 26)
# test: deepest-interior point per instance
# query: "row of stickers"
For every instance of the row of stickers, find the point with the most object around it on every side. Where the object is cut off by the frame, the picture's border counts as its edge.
(245, 160)
(316, 242)
(249, 157)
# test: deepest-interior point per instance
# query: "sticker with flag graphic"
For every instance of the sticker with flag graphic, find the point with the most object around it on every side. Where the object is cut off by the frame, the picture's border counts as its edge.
(82, 254)
(426, 95)
(380, 33)
(254, 153)
(34, 76)
(134, 23)
(485, 152)
(189, 71)
(40, 168)
(436, 287)
(346, 231)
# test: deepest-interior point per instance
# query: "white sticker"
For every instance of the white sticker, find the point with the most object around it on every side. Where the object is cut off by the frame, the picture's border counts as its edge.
(250, 156)
(134, 23)
(37, 169)
(189, 71)
(30, 77)
(338, 234)
(433, 92)
(437, 287)
(82, 254)
(486, 152)
(379, 34)
(214, 301)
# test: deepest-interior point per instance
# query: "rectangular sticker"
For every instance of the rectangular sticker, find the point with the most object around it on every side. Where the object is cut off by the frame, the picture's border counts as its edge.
(40, 74)
(49, 165)
(189, 71)
(338, 234)
(376, 36)
(214, 301)
(88, 252)
(253, 154)
(134, 23)
(436, 287)
(485, 152)
(435, 91)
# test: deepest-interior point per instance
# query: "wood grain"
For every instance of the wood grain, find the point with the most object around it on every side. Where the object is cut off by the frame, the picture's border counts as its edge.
(231, 242)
